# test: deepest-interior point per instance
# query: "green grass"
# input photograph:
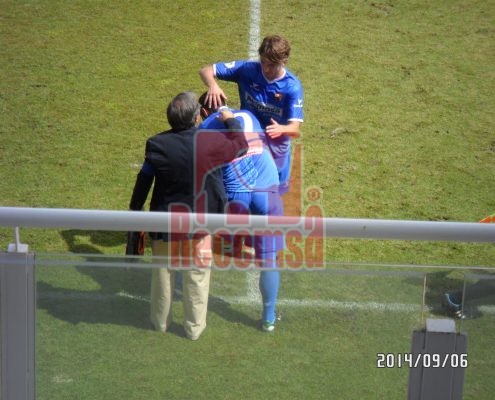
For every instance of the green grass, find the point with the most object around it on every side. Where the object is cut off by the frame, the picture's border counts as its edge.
(398, 125)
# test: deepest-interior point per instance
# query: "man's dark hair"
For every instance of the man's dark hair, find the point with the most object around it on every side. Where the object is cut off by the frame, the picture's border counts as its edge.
(205, 109)
(183, 111)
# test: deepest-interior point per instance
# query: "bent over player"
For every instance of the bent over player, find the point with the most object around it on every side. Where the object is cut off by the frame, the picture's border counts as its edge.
(251, 183)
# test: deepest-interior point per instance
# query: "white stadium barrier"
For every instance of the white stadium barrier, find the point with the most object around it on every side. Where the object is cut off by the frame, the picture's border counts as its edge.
(174, 222)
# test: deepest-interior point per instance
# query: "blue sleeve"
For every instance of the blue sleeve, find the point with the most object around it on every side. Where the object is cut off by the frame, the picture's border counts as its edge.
(295, 104)
(212, 122)
(228, 71)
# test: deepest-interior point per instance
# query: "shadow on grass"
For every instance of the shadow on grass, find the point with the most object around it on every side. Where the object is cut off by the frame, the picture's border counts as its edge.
(79, 241)
(130, 281)
(480, 293)
(225, 310)
(90, 307)
(123, 297)
(437, 283)
(119, 299)
(76, 306)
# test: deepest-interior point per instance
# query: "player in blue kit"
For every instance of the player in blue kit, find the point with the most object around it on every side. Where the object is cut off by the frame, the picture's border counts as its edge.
(251, 183)
(270, 91)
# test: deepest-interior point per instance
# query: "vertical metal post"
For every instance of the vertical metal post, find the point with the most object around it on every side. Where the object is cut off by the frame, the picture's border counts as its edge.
(437, 372)
(17, 325)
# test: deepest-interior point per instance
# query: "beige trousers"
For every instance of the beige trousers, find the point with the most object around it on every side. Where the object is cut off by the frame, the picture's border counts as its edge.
(195, 286)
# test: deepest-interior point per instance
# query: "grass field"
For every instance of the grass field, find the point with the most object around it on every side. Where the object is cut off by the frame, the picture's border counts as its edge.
(399, 116)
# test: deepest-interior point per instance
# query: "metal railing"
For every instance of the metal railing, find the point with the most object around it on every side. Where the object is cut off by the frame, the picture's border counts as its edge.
(311, 226)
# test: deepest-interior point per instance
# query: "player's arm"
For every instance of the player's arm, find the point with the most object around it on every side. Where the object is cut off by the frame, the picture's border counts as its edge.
(215, 96)
(275, 130)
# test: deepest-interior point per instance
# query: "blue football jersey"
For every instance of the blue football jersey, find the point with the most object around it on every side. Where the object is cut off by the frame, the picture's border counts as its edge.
(281, 99)
(239, 175)
(267, 180)
(255, 170)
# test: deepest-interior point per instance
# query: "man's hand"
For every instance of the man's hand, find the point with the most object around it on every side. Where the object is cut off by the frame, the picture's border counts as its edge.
(224, 114)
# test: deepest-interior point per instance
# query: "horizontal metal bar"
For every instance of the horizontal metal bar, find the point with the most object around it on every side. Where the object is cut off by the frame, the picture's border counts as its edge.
(109, 220)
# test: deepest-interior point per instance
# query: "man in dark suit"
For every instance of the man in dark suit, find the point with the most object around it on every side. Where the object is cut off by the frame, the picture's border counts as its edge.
(184, 166)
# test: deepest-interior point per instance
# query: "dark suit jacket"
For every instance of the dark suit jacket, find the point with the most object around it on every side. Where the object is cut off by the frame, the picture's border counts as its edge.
(187, 169)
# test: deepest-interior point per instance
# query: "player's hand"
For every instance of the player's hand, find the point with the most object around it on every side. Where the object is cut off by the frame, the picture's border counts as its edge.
(215, 96)
(275, 130)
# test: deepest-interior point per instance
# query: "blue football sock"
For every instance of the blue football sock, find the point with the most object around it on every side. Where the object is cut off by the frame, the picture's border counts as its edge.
(269, 284)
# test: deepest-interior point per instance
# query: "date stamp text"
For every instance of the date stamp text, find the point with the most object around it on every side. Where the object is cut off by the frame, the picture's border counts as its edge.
(421, 360)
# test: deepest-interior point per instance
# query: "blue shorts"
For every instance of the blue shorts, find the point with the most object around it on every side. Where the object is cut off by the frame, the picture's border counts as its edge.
(259, 203)
(283, 164)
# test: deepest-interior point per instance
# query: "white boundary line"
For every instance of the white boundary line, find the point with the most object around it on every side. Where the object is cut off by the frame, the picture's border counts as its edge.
(250, 301)
(246, 300)
(252, 287)
(252, 277)
(254, 28)
(331, 304)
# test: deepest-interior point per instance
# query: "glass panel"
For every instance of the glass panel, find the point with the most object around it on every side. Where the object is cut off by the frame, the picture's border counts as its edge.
(345, 321)
(94, 339)
(478, 298)
(466, 299)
